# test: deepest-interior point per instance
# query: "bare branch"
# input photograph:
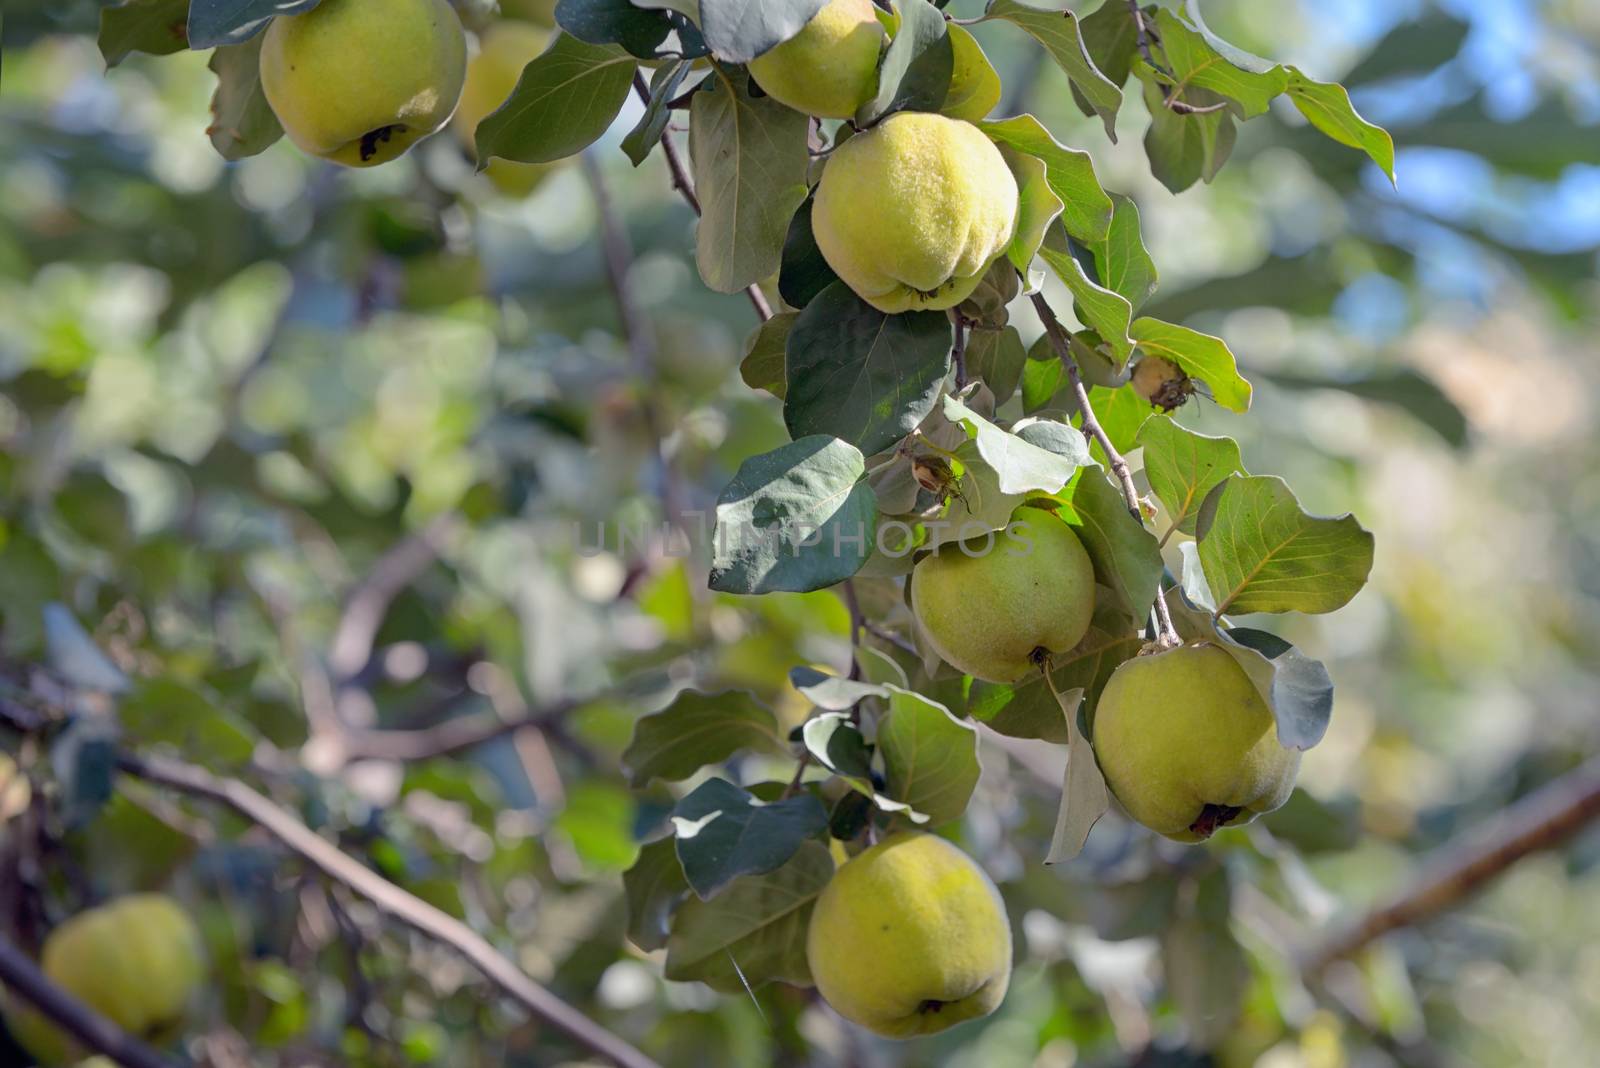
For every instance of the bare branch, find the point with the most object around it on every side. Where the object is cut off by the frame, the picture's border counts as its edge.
(28, 982)
(685, 185)
(367, 604)
(389, 898)
(1542, 820)
(1168, 634)
(458, 735)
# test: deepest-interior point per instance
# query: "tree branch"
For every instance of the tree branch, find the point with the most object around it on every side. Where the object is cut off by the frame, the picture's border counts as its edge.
(389, 898)
(685, 185)
(458, 735)
(1542, 820)
(367, 604)
(1168, 634)
(28, 982)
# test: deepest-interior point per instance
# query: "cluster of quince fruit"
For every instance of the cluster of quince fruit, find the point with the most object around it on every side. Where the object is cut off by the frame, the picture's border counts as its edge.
(137, 961)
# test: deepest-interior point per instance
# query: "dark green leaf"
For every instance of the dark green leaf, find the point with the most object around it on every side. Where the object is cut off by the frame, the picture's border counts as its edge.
(915, 72)
(156, 27)
(796, 519)
(215, 23)
(723, 832)
(242, 123)
(930, 758)
(698, 729)
(805, 272)
(861, 375)
(740, 30)
(755, 931)
(564, 100)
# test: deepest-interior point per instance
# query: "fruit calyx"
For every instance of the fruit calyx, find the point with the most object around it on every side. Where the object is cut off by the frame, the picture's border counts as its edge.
(1213, 818)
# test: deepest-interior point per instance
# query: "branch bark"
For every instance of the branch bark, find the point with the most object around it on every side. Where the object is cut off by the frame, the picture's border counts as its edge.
(28, 982)
(364, 609)
(390, 899)
(1167, 634)
(685, 185)
(1542, 820)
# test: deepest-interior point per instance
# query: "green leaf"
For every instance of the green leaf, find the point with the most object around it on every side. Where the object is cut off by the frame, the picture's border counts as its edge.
(218, 23)
(916, 70)
(564, 100)
(1301, 694)
(930, 758)
(1043, 376)
(1185, 149)
(84, 760)
(1086, 207)
(1184, 466)
(804, 272)
(1112, 41)
(1084, 797)
(723, 832)
(1121, 412)
(1194, 63)
(1107, 313)
(646, 133)
(1058, 32)
(740, 30)
(996, 358)
(1037, 207)
(749, 159)
(837, 744)
(648, 30)
(754, 931)
(155, 27)
(1122, 263)
(242, 123)
(1327, 106)
(830, 692)
(168, 712)
(975, 88)
(1126, 556)
(653, 887)
(698, 729)
(1263, 553)
(861, 375)
(1020, 466)
(75, 657)
(795, 519)
(762, 366)
(1200, 355)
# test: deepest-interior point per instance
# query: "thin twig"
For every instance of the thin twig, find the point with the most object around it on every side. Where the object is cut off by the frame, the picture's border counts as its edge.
(1171, 102)
(685, 185)
(367, 604)
(460, 734)
(1168, 634)
(389, 898)
(1541, 820)
(29, 983)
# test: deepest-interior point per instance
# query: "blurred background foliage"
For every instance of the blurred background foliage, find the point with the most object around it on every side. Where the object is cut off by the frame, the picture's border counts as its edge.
(231, 391)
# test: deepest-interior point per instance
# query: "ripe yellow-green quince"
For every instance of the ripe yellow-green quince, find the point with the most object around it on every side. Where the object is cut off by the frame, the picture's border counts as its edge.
(830, 68)
(911, 213)
(360, 81)
(1188, 745)
(987, 613)
(503, 50)
(136, 961)
(910, 937)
